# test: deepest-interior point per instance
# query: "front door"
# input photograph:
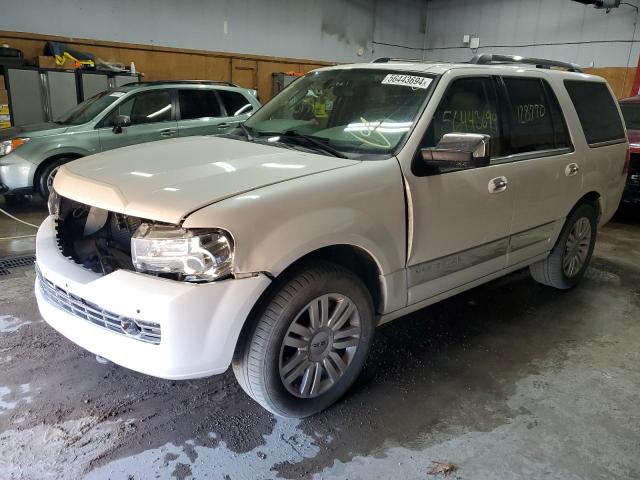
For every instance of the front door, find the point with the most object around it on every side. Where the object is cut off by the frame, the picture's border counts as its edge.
(152, 118)
(460, 220)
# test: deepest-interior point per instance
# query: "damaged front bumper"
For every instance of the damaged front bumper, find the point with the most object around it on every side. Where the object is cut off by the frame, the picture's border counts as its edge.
(156, 326)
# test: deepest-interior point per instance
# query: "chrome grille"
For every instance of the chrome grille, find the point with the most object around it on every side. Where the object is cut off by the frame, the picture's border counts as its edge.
(148, 332)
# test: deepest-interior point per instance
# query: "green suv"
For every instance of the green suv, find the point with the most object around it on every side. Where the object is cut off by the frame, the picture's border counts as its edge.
(142, 112)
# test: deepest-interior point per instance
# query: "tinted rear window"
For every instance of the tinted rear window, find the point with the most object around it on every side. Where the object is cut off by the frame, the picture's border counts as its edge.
(596, 110)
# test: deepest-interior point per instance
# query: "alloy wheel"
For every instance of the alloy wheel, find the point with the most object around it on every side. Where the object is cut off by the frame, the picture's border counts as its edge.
(577, 247)
(319, 345)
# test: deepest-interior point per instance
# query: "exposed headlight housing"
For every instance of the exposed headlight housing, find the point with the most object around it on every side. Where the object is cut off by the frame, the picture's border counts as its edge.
(8, 146)
(53, 203)
(193, 255)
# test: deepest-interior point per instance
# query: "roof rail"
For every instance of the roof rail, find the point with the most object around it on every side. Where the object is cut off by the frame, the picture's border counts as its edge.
(183, 82)
(492, 58)
(389, 59)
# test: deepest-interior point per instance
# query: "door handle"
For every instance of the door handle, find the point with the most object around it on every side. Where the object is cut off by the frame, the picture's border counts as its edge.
(223, 125)
(571, 170)
(498, 184)
(168, 132)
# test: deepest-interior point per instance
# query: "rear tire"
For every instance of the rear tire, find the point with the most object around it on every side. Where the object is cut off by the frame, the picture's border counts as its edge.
(566, 264)
(309, 342)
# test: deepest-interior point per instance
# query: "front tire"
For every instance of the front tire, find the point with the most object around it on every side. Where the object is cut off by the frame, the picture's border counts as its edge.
(568, 261)
(45, 178)
(309, 343)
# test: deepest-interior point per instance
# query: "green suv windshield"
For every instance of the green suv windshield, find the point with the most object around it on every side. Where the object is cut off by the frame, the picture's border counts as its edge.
(86, 111)
(352, 111)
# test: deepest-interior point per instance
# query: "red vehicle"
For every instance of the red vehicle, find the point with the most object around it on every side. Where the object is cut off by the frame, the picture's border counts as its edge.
(631, 113)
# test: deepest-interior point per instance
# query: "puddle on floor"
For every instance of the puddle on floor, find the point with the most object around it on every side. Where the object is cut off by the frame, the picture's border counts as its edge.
(286, 443)
(9, 323)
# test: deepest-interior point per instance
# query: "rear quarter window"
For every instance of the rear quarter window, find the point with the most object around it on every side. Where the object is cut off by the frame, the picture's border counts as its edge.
(596, 110)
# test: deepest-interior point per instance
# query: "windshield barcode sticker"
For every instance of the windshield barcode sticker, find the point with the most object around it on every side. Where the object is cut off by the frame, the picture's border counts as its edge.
(407, 80)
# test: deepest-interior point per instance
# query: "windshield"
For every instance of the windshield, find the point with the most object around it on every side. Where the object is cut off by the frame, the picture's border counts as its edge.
(356, 112)
(86, 111)
(631, 114)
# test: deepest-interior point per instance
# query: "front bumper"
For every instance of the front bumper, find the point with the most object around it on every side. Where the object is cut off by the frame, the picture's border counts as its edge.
(16, 174)
(200, 324)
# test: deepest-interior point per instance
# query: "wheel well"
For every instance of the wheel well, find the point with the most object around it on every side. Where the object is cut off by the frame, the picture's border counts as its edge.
(44, 163)
(351, 257)
(358, 261)
(592, 198)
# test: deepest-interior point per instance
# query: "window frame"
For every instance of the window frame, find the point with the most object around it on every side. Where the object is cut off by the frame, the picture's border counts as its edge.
(507, 120)
(416, 162)
(224, 107)
(223, 111)
(116, 105)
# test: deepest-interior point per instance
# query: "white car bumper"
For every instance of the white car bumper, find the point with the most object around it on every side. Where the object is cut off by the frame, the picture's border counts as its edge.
(198, 324)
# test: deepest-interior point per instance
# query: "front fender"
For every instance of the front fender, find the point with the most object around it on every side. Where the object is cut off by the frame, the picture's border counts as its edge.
(362, 205)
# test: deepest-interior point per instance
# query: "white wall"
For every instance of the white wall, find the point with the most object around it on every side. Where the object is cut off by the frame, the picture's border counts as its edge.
(577, 33)
(330, 30)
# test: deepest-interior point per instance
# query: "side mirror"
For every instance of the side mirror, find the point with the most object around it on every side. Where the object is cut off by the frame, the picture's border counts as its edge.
(459, 150)
(120, 122)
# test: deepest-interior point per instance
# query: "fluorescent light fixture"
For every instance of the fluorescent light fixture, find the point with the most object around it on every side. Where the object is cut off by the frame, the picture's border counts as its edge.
(142, 174)
(273, 139)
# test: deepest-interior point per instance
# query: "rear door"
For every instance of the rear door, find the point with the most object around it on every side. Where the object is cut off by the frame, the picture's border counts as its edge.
(200, 112)
(549, 171)
(152, 116)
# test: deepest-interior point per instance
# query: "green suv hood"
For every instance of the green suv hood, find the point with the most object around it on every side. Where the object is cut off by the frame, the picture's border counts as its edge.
(33, 130)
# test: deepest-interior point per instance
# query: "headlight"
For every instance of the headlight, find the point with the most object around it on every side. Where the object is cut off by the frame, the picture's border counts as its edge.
(53, 203)
(8, 146)
(196, 255)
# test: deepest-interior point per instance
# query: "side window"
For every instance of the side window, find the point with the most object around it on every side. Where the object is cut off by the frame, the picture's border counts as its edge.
(148, 107)
(235, 103)
(596, 110)
(198, 104)
(468, 106)
(530, 119)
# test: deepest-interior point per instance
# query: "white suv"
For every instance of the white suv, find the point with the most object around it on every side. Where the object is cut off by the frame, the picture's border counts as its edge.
(359, 194)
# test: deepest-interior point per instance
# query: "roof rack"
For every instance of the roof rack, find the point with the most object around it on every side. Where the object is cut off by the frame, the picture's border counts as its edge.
(389, 59)
(492, 58)
(182, 82)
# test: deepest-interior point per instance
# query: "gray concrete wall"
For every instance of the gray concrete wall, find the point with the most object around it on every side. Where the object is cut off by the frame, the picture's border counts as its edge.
(332, 30)
(558, 29)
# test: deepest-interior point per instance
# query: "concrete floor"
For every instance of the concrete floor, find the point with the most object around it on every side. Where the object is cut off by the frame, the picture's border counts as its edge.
(509, 380)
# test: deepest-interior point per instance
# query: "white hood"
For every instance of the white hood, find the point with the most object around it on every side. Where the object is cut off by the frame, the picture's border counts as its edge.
(167, 180)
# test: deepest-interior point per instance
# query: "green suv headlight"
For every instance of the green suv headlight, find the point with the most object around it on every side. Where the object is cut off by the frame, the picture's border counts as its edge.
(8, 146)
(194, 255)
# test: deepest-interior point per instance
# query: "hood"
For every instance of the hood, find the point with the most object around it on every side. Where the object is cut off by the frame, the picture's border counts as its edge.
(167, 180)
(33, 130)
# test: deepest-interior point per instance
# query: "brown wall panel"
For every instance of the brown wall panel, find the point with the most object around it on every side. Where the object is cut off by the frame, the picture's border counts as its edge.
(620, 78)
(244, 73)
(166, 63)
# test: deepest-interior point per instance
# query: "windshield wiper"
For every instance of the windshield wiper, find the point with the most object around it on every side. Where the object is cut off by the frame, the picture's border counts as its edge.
(308, 140)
